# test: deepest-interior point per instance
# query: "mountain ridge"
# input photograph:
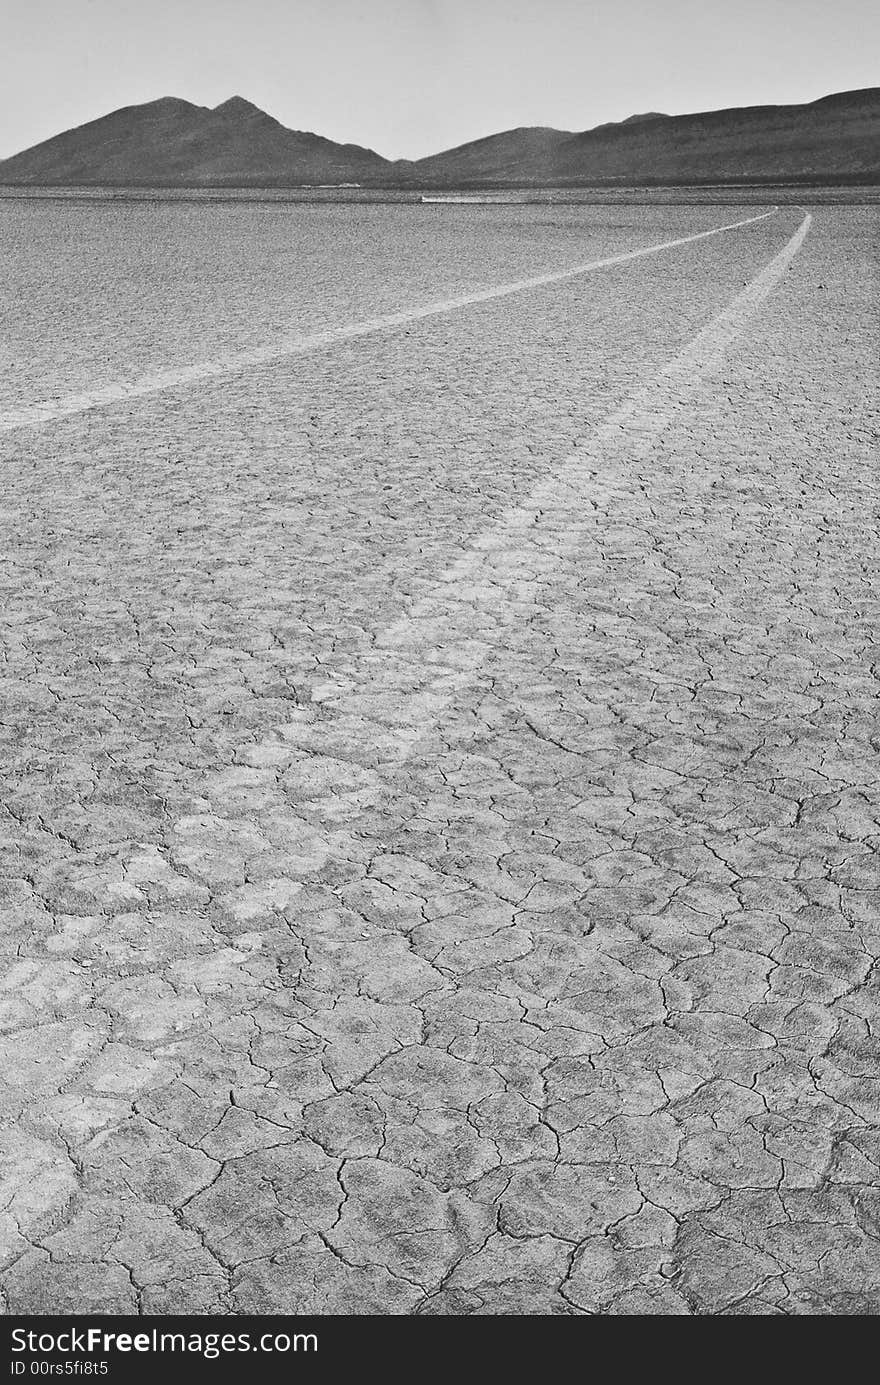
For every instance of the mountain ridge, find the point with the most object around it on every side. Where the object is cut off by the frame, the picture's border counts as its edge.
(835, 136)
(173, 142)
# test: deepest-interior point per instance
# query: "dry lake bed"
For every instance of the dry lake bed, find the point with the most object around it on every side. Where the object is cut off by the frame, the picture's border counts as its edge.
(440, 786)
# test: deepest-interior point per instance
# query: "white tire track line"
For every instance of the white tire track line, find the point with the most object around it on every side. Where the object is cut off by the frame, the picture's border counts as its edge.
(50, 410)
(515, 553)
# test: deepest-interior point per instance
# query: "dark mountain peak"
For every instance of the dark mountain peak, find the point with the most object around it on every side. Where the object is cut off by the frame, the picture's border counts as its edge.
(647, 115)
(238, 107)
(835, 139)
(172, 143)
(165, 105)
(164, 108)
(609, 125)
(851, 100)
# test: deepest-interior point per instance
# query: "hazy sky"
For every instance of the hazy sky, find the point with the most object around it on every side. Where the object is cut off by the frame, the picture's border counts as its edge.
(411, 77)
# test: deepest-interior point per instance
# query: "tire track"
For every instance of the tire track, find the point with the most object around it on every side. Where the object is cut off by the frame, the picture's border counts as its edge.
(533, 537)
(50, 411)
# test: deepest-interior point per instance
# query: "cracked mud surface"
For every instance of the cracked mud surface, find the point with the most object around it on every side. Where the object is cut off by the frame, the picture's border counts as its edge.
(439, 838)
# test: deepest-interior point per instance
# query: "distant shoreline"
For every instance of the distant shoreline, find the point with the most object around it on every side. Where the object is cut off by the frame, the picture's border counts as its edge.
(426, 186)
(462, 197)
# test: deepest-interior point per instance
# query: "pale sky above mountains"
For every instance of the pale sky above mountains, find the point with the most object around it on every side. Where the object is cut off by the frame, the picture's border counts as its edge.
(412, 77)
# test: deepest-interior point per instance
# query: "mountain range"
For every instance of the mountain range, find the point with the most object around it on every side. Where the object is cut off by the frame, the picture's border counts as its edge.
(173, 143)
